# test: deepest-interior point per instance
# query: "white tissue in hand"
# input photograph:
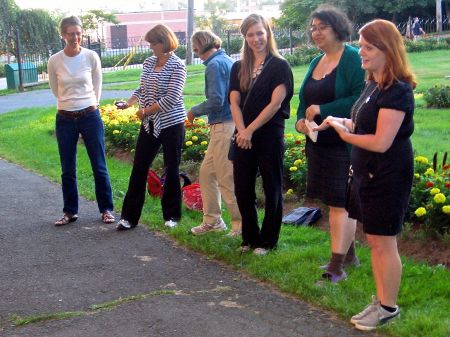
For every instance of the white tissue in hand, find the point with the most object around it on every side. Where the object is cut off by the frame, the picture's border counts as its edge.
(310, 125)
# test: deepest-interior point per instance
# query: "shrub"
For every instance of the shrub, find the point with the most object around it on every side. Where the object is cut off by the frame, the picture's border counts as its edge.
(429, 204)
(121, 127)
(295, 163)
(438, 96)
(196, 140)
(302, 55)
(111, 61)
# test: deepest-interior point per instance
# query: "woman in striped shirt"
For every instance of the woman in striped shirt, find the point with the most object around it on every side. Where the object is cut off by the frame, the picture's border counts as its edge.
(162, 112)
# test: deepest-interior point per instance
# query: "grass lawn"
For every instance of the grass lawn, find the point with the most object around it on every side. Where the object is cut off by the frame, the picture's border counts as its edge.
(27, 139)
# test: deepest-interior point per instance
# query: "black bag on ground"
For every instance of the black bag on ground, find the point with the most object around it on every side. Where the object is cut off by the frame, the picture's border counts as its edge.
(302, 216)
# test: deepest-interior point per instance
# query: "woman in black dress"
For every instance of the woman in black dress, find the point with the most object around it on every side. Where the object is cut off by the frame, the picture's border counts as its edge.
(332, 84)
(261, 86)
(382, 160)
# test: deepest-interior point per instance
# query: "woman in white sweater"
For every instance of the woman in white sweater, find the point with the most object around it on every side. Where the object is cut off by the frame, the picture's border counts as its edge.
(75, 79)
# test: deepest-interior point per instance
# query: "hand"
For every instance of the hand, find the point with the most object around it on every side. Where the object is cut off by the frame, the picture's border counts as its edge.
(121, 105)
(300, 126)
(141, 113)
(325, 124)
(312, 111)
(244, 139)
(190, 117)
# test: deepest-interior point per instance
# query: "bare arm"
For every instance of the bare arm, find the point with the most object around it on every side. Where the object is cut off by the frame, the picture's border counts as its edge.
(388, 124)
(236, 112)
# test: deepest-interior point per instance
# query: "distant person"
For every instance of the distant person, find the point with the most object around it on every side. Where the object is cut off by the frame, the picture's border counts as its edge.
(332, 84)
(161, 109)
(216, 171)
(382, 161)
(75, 76)
(417, 29)
(261, 86)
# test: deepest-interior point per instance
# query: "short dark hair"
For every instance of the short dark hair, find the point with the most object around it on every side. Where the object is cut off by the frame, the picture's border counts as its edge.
(69, 21)
(334, 17)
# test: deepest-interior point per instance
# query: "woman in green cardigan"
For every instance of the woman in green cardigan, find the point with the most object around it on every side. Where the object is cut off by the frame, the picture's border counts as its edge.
(332, 84)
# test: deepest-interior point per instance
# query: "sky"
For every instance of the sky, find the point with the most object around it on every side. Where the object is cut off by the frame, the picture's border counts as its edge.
(79, 6)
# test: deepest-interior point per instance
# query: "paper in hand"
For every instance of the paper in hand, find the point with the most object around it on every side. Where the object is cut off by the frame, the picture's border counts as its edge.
(310, 125)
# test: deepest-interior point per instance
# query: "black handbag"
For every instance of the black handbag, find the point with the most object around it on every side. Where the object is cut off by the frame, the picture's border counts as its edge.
(302, 216)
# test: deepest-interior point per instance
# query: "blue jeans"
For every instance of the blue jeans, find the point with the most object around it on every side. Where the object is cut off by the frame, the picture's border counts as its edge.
(91, 129)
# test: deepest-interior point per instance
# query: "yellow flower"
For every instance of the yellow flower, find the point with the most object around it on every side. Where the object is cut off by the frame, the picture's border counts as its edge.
(421, 211)
(417, 175)
(293, 168)
(439, 198)
(115, 132)
(434, 191)
(289, 135)
(290, 191)
(204, 142)
(114, 122)
(298, 162)
(429, 171)
(421, 159)
(205, 152)
(446, 209)
(189, 143)
(194, 138)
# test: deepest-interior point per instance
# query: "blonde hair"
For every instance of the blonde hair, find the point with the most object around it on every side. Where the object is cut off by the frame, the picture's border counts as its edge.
(247, 57)
(385, 36)
(162, 34)
(206, 40)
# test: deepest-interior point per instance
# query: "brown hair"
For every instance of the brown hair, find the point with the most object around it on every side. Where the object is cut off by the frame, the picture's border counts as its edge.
(385, 36)
(162, 34)
(206, 40)
(247, 57)
(69, 21)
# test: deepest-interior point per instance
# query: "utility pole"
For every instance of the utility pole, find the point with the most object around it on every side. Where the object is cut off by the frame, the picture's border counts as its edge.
(190, 30)
(19, 60)
(439, 16)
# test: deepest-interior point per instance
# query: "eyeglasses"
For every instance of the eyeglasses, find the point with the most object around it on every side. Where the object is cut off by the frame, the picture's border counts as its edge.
(320, 29)
(74, 34)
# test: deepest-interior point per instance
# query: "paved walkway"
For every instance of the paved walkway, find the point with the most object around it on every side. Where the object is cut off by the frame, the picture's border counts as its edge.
(56, 270)
(43, 98)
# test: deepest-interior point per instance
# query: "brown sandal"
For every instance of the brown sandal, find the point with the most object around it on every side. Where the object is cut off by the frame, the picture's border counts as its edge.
(107, 217)
(66, 219)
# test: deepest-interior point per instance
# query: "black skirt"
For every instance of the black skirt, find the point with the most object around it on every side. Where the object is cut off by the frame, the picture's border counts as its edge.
(327, 177)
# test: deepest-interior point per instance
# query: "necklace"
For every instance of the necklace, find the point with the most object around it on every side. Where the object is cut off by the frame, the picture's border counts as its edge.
(361, 101)
(257, 71)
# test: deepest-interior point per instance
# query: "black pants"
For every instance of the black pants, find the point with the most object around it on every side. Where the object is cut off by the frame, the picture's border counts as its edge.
(267, 156)
(147, 147)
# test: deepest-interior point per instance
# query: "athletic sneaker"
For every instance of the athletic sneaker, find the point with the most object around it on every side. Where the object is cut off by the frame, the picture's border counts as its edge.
(170, 223)
(376, 317)
(371, 307)
(205, 228)
(260, 251)
(234, 233)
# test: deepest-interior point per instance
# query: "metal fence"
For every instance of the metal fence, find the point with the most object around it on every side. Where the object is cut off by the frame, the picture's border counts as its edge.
(138, 50)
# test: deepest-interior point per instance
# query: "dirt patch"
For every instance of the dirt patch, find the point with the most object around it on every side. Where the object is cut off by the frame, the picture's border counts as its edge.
(426, 249)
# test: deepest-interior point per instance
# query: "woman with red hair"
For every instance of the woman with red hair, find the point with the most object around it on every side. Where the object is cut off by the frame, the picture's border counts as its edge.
(381, 159)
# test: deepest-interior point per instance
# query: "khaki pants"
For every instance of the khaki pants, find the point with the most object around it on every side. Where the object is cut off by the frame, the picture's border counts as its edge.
(216, 176)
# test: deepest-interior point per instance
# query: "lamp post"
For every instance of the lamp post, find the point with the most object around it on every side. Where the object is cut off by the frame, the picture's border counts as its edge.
(189, 31)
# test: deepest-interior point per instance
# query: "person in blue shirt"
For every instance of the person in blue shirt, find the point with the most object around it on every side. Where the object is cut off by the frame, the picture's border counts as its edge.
(216, 171)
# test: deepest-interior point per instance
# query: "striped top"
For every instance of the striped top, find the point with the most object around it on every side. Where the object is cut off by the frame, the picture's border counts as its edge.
(164, 87)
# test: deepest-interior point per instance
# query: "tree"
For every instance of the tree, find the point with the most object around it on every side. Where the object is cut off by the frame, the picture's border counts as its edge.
(296, 12)
(94, 18)
(213, 20)
(8, 13)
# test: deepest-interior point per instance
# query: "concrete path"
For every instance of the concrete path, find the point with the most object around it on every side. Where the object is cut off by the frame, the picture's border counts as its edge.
(43, 98)
(59, 270)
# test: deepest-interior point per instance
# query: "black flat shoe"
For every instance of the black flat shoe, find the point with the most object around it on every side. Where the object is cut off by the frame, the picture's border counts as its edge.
(66, 219)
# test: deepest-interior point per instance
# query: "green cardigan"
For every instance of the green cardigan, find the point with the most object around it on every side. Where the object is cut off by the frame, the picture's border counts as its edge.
(348, 86)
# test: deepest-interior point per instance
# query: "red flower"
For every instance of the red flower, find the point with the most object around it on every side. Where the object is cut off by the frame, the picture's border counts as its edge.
(298, 142)
(429, 184)
(447, 184)
(446, 167)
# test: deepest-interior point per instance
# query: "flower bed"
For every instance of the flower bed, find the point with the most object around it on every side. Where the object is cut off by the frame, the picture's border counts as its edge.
(430, 196)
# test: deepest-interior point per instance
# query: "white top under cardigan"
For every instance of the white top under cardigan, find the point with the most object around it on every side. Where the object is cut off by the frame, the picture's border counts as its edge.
(75, 81)
(164, 87)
